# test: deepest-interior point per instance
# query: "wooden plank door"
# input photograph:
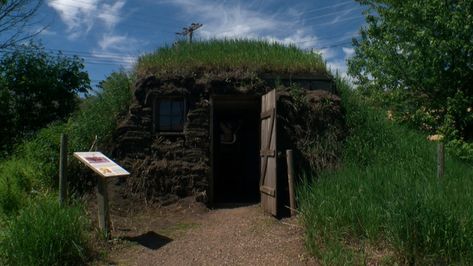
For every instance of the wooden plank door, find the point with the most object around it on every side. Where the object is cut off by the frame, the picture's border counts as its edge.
(268, 179)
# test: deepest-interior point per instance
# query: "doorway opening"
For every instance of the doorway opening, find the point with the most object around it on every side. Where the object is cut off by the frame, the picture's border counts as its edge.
(235, 149)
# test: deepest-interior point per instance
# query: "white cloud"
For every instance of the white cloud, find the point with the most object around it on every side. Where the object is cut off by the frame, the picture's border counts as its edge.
(328, 53)
(228, 19)
(339, 66)
(348, 51)
(110, 14)
(81, 16)
(77, 15)
(119, 49)
(231, 20)
(116, 42)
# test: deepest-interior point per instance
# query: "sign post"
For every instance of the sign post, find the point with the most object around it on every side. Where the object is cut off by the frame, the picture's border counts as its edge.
(62, 170)
(104, 212)
(104, 167)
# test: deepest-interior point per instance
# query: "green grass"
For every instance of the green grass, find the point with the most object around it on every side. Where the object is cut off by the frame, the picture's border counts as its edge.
(387, 195)
(45, 233)
(241, 56)
(34, 230)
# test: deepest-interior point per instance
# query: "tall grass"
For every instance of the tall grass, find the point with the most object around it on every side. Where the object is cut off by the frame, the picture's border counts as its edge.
(44, 233)
(229, 55)
(34, 229)
(387, 195)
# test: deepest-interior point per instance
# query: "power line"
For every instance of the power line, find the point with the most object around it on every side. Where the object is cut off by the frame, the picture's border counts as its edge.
(346, 11)
(118, 59)
(147, 22)
(327, 7)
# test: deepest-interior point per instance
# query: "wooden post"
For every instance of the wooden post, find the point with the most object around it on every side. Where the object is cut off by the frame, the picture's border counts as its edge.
(104, 213)
(63, 170)
(440, 159)
(290, 175)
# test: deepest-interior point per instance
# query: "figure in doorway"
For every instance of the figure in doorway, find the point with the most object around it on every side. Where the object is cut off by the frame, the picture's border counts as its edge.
(228, 131)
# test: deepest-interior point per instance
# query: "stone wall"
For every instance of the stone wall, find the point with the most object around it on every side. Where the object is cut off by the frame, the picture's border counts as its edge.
(166, 167)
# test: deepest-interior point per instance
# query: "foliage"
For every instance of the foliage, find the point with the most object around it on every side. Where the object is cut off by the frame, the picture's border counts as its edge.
(387, 196)
(44, 233)
(34, 230)
(34, 166)
(100, 113)
(245, 56)
(417, 58)
(36, 89)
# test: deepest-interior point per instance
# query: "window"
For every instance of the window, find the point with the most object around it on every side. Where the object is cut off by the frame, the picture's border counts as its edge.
(169, 114)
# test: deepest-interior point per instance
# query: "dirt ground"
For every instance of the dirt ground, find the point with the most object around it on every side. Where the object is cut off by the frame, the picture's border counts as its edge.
(188, 233)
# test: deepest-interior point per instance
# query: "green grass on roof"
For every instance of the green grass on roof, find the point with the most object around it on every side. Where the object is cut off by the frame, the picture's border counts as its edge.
(230, 55)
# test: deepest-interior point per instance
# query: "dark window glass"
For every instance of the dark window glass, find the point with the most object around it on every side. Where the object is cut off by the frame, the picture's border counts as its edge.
(169, 115)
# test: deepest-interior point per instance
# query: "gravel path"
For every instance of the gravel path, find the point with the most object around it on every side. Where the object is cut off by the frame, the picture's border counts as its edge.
(186, 234)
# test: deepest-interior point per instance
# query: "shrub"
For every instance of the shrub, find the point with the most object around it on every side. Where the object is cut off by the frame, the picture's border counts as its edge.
(45, 233)
(36, 89)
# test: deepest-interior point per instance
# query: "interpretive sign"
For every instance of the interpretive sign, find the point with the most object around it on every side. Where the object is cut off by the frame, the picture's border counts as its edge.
(101, 164)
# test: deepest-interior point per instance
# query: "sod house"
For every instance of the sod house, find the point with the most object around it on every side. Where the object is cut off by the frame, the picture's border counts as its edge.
(213, 120)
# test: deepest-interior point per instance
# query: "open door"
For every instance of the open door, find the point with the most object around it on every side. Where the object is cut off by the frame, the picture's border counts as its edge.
(268, 179)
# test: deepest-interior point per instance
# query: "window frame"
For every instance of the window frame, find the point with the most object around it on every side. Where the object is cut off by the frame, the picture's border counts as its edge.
(156, 115)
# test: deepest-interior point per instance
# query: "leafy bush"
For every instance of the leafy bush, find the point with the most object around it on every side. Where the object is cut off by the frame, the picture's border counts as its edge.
(415, 57)
(35, 161)
(45, 233)
(99, 113)
(37, 88)
(387, 195)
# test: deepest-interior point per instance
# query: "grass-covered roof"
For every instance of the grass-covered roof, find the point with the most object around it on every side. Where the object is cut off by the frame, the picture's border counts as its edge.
(249, 56)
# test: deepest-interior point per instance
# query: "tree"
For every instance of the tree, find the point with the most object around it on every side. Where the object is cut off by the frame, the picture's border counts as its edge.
(419, 55)
(37, 88)
(16, 21)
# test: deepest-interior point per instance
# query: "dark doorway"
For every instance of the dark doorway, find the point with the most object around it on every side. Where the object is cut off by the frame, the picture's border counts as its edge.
(235, 149)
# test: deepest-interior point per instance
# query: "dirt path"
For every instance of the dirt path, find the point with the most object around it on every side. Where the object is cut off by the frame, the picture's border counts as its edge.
(187, 233)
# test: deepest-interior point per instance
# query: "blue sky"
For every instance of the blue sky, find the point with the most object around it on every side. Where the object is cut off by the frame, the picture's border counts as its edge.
(111, 34)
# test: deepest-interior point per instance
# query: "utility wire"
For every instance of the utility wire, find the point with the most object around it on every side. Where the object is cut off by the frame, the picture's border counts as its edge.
(117, 59)
(148, 22)
(346, 11)
(328, 7)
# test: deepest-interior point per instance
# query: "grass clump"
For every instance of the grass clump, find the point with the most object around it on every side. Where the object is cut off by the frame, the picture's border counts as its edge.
(387, 195)
(44, 233)
(229, 55)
